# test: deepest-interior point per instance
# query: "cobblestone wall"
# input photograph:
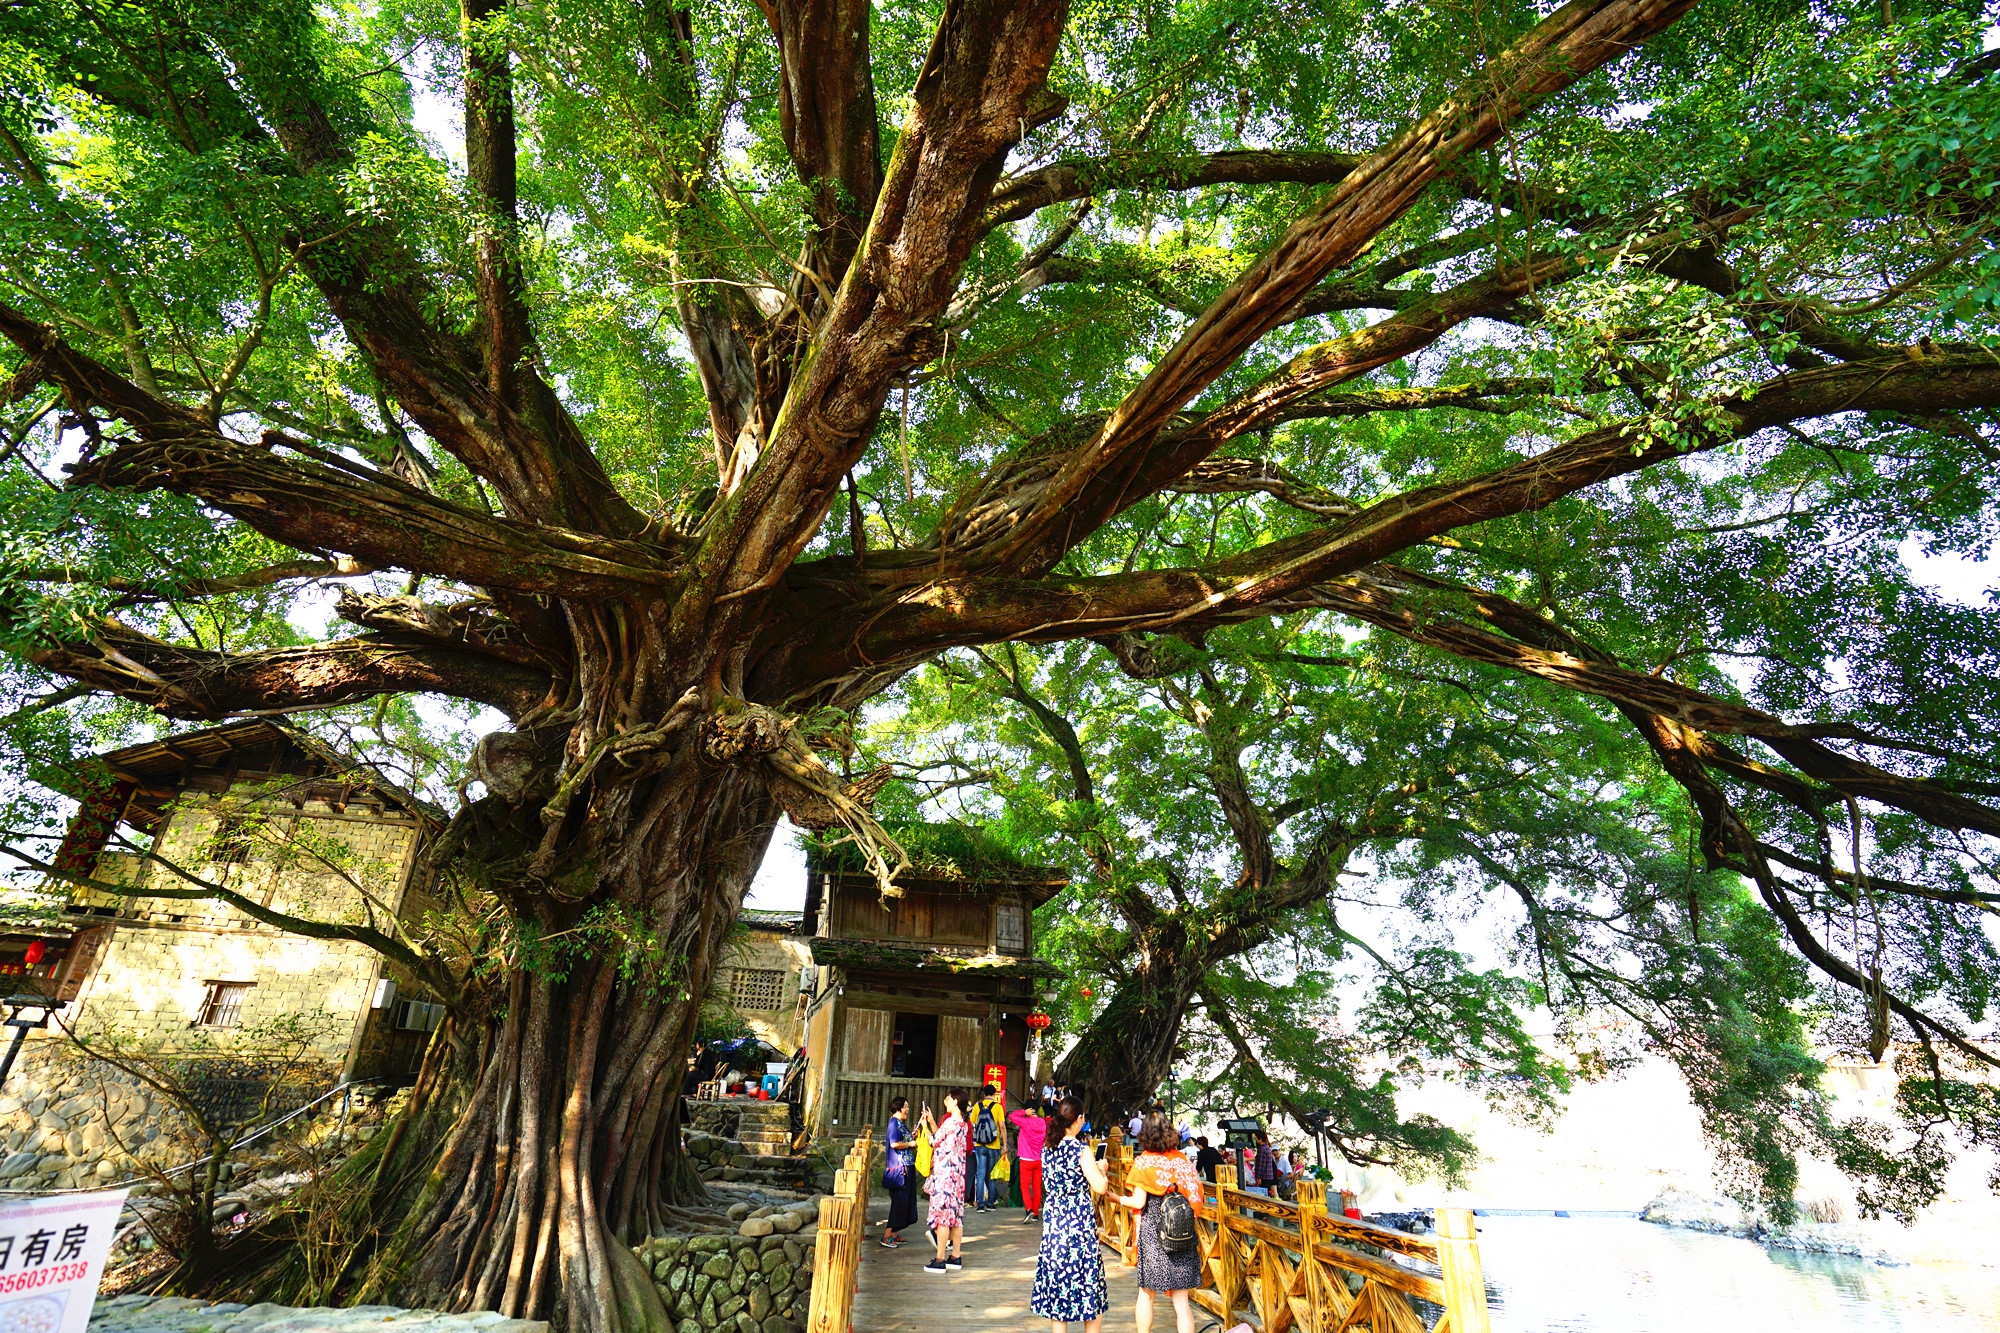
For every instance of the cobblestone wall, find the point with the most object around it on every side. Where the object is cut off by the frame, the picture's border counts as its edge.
(732, 1284)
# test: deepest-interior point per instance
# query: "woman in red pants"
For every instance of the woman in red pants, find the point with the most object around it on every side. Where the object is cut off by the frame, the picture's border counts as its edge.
(1032, 1128)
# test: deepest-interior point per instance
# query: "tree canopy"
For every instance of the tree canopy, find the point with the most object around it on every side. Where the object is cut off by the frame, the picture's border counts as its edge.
(675, 381)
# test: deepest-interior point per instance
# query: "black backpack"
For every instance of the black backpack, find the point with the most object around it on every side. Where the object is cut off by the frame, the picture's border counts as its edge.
(983, 1129)
(1176, 1223)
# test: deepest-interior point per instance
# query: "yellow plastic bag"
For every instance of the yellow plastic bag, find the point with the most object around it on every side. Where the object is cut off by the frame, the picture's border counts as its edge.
(1002, 1170)
(923, 1154)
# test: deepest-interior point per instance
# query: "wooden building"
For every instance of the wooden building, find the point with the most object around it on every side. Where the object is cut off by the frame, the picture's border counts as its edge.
(922, 994)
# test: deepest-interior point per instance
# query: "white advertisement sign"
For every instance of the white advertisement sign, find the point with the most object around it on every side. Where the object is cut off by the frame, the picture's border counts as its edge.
(51, 1255)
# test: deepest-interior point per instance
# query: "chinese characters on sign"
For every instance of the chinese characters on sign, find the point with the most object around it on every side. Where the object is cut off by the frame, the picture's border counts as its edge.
(51, 1256)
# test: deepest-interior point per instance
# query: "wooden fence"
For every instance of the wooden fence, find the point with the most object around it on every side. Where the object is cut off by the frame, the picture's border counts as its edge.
(1281, 1266)
(843, 1225)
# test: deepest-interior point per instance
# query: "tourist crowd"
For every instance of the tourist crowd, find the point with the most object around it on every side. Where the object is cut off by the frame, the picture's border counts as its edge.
(961, 1157)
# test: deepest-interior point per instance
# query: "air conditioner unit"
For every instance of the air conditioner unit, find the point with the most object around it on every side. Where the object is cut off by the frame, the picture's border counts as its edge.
(417, 1016)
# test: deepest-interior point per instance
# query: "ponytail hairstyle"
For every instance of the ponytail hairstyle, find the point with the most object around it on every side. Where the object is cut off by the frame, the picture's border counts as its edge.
(1063, 1115)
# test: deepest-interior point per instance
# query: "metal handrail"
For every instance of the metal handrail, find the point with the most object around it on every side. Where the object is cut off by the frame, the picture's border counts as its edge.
(345, 1085)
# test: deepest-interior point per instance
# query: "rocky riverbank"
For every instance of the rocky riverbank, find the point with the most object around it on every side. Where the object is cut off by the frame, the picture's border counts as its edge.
(1727, 1217)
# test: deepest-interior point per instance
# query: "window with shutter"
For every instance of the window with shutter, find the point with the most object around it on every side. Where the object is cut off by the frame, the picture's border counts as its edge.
(1010, 928)
(232, 839)
(222, 1006)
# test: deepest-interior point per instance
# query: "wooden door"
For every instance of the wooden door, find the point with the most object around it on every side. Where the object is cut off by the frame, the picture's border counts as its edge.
(961, 1050)
(867, 1048)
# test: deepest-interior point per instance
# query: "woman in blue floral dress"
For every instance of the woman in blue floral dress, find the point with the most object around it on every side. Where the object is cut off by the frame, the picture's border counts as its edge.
(1069, 1275)
(946, 1185)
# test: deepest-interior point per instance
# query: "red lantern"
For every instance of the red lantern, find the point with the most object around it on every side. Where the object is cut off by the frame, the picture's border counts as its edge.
(35, 952)
(1038, 1021)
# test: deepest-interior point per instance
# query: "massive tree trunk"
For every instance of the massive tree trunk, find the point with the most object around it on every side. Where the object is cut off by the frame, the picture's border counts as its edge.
(542, 1138)
(1121, 1058)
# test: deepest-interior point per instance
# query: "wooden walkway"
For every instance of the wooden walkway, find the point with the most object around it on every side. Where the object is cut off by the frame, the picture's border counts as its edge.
(894, 1294)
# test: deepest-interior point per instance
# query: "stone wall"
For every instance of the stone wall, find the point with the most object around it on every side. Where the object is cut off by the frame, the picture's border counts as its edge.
(64, 1125)
(154, 979)
(732, 1284)
(719, 1119)
(178, 1314)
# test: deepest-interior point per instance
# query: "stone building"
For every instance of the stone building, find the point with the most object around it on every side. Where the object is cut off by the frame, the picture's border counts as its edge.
(762, 973)
(927, 992)
(292, 826)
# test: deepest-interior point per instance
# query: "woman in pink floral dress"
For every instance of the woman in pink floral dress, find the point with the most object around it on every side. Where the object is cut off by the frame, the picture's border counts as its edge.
(947, 1183)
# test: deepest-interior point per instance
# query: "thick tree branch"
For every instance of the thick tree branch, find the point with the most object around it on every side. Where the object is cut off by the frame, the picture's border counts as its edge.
(981, 88)
(522, 441)
(826, 108)
(477, 624)
(1077, 178)
(322, 502)
(490, 159)
(1776, 895)
(1386, 598)
(200, 685)
(1561, 49)
(1985, 902)
(906, 625)
(1023, 196)
(1019, 486)
(167, 588)
(1053, 724)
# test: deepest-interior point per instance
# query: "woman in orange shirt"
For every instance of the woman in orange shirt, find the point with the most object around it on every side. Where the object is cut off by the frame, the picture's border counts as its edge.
(1159, 1170)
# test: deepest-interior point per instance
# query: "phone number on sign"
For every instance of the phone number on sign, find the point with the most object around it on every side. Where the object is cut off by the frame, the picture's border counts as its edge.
(42, 1277)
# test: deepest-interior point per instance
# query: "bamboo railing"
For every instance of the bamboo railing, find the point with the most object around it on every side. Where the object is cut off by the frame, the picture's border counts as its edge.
(843, 1225)
(1281, 1266)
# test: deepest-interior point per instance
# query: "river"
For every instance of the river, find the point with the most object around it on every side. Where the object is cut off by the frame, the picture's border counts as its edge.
(1621, 1275)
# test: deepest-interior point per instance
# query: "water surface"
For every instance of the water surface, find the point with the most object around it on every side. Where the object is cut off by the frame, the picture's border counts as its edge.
(1620, 1275)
